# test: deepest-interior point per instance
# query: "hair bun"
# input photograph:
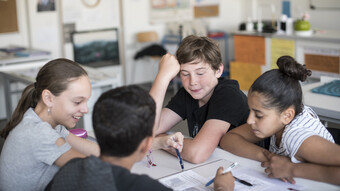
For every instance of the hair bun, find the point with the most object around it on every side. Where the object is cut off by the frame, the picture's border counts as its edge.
(290, 67)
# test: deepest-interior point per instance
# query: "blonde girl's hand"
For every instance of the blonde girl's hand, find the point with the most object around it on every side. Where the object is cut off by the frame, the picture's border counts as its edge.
(168, 67)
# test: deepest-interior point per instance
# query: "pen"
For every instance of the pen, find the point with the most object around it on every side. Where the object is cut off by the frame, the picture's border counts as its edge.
(225, 171)
(242, 181)
(180, 159)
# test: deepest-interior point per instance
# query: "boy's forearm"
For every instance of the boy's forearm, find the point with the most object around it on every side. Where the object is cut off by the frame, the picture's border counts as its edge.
(195, 153)
(157, 92)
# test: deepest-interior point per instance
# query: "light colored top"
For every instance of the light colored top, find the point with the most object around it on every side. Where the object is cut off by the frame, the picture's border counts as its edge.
(28, 154)
(304, 125)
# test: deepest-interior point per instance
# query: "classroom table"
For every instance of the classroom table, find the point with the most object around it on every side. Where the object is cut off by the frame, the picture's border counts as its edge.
(327, 107)
(168, 164)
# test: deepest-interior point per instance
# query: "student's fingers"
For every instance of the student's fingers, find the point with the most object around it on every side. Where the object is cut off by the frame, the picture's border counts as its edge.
(290, 180)
(219, 171)
(287, 179)
(177, 141)
(267, 154)
(174, 141)
(265, 164)
(169, 66)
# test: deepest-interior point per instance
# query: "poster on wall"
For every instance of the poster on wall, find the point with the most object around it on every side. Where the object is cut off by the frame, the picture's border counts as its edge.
(206, 8)
(170, 10)
(45, 5)
(8, 17)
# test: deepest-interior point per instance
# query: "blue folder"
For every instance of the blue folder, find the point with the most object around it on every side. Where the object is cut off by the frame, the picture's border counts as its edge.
(332, 88)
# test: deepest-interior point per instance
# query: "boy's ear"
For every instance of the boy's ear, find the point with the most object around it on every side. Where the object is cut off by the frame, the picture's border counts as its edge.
(288, 115)
(219, 71)
(47, 97)
(146, 145)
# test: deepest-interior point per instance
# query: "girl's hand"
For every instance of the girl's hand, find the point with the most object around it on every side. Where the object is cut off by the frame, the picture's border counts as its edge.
(278, 167)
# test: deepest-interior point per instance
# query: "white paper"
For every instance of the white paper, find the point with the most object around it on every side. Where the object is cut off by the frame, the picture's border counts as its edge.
(260, 181)
(187, 180)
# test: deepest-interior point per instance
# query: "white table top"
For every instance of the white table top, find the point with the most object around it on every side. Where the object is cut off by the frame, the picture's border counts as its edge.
(327, 107)
(168, 165)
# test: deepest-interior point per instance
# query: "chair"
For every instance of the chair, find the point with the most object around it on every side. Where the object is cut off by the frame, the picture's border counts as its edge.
(149, 49)
(335, 132)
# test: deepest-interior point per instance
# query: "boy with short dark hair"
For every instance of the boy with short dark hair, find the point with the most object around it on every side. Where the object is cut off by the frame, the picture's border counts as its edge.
(123, 120)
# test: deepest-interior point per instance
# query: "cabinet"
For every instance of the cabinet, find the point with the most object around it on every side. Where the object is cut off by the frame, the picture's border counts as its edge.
(256, 53)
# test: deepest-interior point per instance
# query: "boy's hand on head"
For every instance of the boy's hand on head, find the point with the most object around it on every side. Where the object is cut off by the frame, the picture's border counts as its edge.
(278, 167)
(223, 182)
(168, 66)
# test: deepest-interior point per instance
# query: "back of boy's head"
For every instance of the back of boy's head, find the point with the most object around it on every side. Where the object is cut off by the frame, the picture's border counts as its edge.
(281, 87)
(122, 118)
(199, 49)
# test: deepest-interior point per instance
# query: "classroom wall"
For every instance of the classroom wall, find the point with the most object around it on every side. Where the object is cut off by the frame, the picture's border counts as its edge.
(136, 19)
(20, 37)
(43, 30)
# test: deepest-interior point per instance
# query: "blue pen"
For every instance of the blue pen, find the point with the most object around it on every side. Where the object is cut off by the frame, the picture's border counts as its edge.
(225, 171)
(180, 159)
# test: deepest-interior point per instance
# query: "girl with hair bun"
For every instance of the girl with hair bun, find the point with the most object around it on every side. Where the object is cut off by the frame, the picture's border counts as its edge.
(300, 145)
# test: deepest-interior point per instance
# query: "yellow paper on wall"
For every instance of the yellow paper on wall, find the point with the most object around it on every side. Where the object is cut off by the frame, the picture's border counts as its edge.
(281, 47)
(244, 73)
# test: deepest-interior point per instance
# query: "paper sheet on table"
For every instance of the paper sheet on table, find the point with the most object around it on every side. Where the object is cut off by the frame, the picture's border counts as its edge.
(192, 181)
(187, 180)
(260, 181)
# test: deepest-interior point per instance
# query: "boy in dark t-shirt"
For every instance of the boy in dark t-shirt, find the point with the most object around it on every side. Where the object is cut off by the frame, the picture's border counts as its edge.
(212, 105)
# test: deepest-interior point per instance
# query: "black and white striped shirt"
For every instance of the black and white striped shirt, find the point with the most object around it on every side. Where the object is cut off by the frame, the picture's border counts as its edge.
(304, 125)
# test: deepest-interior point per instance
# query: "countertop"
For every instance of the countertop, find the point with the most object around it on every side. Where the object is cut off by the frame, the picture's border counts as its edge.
(318, 35)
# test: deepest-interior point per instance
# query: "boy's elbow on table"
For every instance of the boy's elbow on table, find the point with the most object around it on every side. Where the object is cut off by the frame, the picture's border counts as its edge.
(196, 157)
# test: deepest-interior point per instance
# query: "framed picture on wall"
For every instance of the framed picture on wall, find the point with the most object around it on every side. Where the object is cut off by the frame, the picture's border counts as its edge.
(96, 48)
(45, 5)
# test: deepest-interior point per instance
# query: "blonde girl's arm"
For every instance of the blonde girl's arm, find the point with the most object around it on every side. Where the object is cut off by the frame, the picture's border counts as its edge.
(241, 141)
(80, 148)
(83, 146)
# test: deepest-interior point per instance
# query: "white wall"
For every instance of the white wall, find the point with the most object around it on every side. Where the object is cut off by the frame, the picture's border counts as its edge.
(319, 18)
(21, 37)
(326, 19)
(43, 30)
(136, 19)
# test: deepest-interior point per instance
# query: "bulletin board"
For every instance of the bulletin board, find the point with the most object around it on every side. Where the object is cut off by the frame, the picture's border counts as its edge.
(322, 61)
(182, 10)
(8, 16)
